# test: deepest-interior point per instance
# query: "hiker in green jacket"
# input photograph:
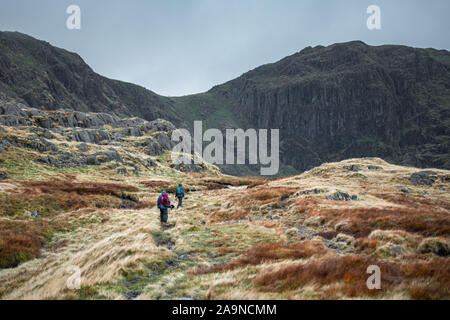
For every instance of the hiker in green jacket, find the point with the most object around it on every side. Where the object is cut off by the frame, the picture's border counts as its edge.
(180, 195)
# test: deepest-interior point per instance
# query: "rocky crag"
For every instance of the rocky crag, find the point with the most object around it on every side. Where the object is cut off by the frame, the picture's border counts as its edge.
(65, 139)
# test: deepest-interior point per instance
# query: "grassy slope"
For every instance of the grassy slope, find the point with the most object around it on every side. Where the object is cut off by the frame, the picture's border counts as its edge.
(215, 251)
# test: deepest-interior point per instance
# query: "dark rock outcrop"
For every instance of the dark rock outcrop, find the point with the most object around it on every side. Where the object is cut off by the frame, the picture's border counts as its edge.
(104, 156)
(342, 196)
(423, 178)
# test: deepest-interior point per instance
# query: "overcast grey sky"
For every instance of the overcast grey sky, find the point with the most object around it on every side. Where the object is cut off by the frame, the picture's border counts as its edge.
(178, 47)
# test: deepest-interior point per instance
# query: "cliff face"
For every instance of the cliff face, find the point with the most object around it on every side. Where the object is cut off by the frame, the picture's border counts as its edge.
(330, 103)
(351, 100)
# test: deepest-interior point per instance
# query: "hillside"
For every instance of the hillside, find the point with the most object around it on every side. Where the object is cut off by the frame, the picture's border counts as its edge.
(78, 190)
(330, 103)
(35, 73)
(310, 236)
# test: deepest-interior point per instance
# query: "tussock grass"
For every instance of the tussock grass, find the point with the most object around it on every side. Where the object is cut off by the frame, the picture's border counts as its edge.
(349, 275)
(269, 252)
(226, 242)
(22, 238)
(82, 188)
(365, 220)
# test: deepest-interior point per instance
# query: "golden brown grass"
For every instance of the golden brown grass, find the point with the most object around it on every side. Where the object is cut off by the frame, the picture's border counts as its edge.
(365, 220)
(240, 263)
(82, 188)
(155, 183)
(269, 252)
(22, 236)
(18, 247)
(22, 240)
(347, 275)
(121, 240)
(256, 184)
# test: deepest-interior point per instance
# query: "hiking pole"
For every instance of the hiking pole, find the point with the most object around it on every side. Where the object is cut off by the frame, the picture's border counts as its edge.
(169, 210)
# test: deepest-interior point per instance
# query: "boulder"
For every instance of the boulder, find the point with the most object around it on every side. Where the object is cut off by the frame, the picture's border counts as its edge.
(353, 167)
(403, 189)
(161, 125)
(94, 121)
(10, 120)
(311, 191)
(91, 136)
(80, 116)
(45, 122)
(35, 214)
(423, 178)
(47, 134)
(104, 156)
(135, 131)
(70, 120)
(273, 216)
(149, 163)
(39, 144)
(154, 148)
(83, 147)
(63, 160)
(192, 167)
(4, 143)
(342, 196)
(164, 141)
(83, 136)
(32, 112)
(11, 109)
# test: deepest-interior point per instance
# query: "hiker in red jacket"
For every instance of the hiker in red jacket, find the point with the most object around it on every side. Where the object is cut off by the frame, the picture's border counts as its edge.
(163, 205)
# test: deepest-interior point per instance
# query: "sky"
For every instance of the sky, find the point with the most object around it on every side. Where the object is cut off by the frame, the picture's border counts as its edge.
(180, 47)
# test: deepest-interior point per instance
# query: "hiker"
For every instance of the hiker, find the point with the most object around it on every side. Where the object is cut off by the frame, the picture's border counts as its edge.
(163, 205)
(180, 195)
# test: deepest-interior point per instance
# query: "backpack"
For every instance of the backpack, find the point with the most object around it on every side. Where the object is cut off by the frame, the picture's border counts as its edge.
(180, 191)
(165, 200)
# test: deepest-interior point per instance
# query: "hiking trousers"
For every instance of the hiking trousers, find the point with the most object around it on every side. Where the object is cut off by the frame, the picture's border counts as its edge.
(164, 214)
(180, 202)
